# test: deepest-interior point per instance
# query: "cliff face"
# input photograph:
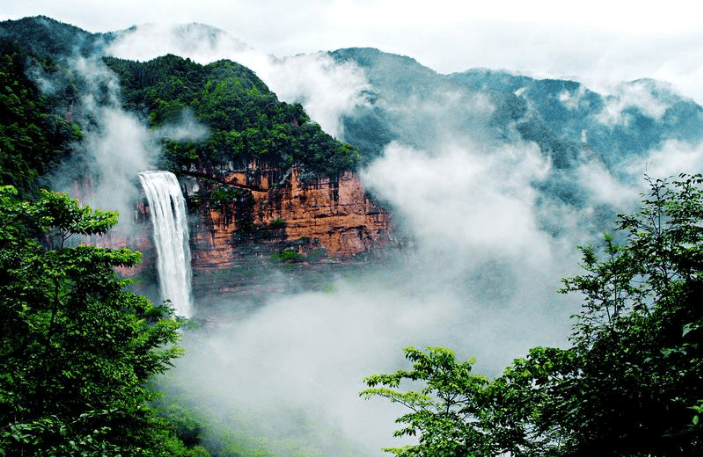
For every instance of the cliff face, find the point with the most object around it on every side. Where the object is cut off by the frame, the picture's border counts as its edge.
(288, 210)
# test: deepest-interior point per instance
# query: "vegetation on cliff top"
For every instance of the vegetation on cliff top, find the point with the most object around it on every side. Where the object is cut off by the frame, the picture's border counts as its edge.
(246, 120)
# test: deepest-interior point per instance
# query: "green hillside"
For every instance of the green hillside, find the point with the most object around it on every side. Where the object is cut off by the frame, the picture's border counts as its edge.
(246, 120)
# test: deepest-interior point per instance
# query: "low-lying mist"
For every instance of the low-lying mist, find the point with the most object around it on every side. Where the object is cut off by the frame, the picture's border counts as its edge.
(479, 276)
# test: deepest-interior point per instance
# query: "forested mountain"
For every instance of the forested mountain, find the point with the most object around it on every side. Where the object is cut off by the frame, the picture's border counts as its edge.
(572, 125)
(49, 38)
(246, 120)
(569, 122)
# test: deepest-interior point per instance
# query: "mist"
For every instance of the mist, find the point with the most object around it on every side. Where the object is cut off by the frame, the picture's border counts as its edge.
(479, 276)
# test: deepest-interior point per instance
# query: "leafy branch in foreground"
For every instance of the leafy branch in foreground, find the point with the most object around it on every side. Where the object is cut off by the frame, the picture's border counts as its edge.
(443, 412)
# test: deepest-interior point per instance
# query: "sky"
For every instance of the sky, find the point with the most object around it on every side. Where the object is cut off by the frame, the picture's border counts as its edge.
(599, 43)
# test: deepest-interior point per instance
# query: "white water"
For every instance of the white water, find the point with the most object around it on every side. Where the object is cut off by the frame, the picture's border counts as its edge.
(168, 213)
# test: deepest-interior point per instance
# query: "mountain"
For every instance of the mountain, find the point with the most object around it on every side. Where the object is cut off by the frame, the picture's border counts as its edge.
(257, 147)
(571, 124)
(49, 38)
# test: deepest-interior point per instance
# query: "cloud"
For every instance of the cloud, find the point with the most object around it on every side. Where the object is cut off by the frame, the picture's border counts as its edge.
(640, 95)
(670, 159)
(187, 129)
(463, 195)
(116, 145)
(572, 100)
(326, 90)
(605, 189)
(306, 355)
(198, 42)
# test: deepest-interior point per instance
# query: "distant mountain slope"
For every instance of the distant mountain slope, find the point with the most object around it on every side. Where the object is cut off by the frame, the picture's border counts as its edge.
(50, 38)
(569, 122)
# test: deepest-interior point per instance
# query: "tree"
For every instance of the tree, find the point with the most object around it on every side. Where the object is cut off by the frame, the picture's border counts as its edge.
(443, 412)
(76, 348)
(630, 383)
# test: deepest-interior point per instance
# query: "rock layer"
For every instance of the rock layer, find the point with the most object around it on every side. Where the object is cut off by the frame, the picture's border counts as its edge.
(266, 205)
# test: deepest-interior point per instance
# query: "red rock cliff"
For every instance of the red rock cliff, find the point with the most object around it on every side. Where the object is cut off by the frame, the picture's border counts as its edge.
(334, 214)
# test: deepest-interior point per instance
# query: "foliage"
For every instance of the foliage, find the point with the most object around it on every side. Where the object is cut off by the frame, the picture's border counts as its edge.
(51, 39)
(442, 412)
(245, 119)
(32, 137)
(76, 348)
(288, 256)
(278, 223)
(630, 383)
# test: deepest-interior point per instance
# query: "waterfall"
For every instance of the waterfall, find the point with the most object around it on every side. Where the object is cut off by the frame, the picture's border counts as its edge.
(168, 213)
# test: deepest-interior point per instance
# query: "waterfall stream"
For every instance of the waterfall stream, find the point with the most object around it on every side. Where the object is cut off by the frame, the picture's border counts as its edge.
(168, 213)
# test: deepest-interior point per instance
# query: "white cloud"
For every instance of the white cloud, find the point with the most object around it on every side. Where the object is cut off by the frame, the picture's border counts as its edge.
(325, 89)
(572, 100)
(637, 94)
(187, 129)
(479, 199)
(671, 159)
(604, 188)
(199, 43)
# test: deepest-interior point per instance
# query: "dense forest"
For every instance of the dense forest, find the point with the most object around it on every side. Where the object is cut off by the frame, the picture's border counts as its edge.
(246, 120)
(77, 348)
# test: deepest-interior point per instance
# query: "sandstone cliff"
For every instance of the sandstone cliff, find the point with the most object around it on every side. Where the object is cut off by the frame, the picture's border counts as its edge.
(305, 213)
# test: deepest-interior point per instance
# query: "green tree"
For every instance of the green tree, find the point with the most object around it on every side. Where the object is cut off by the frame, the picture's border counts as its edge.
(443, 413)
(630, 383)
(76, 348)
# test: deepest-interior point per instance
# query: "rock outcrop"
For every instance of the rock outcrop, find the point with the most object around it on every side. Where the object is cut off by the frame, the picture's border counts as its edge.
(289, 210)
